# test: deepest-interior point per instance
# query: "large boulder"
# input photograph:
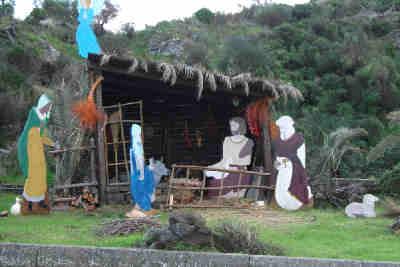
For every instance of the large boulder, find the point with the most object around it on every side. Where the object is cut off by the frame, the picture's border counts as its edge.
(184, 227)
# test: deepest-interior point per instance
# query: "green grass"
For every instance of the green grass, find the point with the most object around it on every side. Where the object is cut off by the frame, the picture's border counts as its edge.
(329, 235)
(15, 180)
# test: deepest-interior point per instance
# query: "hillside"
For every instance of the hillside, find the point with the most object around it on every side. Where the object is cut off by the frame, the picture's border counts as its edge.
(344, 55)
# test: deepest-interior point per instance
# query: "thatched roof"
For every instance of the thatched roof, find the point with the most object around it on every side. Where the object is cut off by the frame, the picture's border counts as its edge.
(193, 77)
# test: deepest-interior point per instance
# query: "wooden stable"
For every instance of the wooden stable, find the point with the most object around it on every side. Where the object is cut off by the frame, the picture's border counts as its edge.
(184, 112)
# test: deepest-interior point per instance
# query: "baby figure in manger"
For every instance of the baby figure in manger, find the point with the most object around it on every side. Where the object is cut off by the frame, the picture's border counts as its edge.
(236, 155)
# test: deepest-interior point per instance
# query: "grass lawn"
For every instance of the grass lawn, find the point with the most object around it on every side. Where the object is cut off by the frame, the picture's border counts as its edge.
(315, 233)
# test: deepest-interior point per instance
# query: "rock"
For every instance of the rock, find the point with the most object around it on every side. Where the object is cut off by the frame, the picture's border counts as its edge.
(396, 226)
(50, 54)
(187, 218)
(184, 227)
(182, 230)
(4, 214)
(49, 22)
(172, 47)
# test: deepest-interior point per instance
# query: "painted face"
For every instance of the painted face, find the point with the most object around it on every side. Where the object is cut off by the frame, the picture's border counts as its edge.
(234, 126)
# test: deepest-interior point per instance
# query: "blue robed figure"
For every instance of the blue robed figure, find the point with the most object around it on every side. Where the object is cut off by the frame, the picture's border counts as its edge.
(142, 180)
(85, 37)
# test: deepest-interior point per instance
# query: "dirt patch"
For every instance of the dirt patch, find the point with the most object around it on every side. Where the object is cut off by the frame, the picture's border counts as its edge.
(266, 217)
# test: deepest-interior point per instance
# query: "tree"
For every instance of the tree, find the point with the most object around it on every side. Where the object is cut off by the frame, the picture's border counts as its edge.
(7, 8)
(109, 12)
(128, 29)
(204, 15)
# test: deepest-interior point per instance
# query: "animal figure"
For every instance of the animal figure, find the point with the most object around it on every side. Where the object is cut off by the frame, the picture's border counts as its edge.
(364, 209)
(16, 208)
(283, 197)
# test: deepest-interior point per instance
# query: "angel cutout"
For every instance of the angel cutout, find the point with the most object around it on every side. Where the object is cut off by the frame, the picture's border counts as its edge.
(85, 37)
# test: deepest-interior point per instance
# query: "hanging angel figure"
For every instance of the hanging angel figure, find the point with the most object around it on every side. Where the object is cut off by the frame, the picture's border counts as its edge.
(85, 37)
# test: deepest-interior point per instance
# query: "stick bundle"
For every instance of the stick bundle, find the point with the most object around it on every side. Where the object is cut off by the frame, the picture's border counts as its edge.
(126, 226)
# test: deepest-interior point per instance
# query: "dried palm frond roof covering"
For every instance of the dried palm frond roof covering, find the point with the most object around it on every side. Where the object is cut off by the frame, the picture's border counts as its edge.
(171, 74)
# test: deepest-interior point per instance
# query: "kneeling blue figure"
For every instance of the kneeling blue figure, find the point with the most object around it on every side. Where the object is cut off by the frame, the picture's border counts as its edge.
(142, 179)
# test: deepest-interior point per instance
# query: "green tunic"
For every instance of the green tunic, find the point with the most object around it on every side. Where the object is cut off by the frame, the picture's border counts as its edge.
(31, 157)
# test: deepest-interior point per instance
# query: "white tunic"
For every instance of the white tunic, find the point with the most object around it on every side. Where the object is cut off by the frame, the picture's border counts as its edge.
(232, 147)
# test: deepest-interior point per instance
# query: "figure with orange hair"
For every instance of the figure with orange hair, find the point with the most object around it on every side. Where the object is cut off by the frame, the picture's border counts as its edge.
(86, 110)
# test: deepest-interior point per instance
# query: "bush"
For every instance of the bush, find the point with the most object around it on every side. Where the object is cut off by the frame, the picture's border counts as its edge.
(242, 55)
(129, 30)
(232, 237)
(204, 15)
(36, 15)
(196, 53)
(301, 11)
(390, 180)
(273, 15)
(379, 27)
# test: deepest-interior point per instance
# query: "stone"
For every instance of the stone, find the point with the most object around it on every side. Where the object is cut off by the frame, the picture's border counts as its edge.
(171, 47)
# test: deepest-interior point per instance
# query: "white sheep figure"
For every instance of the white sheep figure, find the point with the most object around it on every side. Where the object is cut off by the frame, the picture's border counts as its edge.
(16, 208)
(364, 209)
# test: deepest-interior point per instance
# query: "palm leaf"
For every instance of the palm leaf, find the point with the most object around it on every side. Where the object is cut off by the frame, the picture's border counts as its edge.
(379, 150)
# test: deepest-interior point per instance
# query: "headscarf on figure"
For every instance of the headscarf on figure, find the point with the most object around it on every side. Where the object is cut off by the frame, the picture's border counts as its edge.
(142, 180)
(31, 155)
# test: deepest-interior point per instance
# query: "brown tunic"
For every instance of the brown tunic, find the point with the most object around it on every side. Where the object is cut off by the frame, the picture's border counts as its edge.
(288, 149)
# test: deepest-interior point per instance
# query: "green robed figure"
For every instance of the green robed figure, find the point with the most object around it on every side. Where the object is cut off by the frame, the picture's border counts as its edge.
(32, 159)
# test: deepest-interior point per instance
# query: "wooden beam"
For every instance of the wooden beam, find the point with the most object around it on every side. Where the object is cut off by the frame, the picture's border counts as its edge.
(100, 146)
(267, 149)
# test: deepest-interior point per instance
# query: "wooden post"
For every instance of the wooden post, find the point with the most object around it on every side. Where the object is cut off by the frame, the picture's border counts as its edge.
(126, 159)
(92, 152)
(203, 185)
(100, 147)
(239, 188)
(170, 196)
(267, 155)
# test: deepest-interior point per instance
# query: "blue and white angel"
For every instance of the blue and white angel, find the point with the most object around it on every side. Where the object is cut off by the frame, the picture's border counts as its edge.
(85, 37)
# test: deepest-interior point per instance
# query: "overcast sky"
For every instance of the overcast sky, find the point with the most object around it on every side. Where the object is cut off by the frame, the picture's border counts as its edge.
(149, 12)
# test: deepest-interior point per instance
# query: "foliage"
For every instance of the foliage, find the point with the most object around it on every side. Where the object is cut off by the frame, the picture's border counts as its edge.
(60, 9)
(273, 15)
(36, 15)
(196, 54)
(204, 15)
(390, 180)
(239, 238)
(302, 11)
(7, 8)
(129, 29)
(337, 144)
(242, 55)
(108, 13)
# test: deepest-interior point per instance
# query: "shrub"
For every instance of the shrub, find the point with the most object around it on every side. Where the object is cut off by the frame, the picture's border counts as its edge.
(389, 182)
(129, 30)
(196, 53)
(379, 27)
(301, 11)
(232, 237)
(204, 15)
(36, 15)
(241, 55)
(273, 15)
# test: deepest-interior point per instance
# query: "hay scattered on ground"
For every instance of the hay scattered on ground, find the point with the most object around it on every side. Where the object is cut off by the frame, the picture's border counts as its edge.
(266, 217)
(126, 226)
